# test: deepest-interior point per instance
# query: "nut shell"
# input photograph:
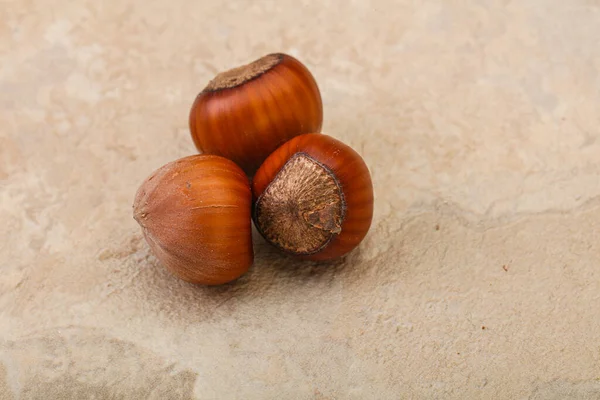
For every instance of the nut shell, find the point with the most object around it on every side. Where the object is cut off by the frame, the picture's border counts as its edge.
(298, 208)
(246, 113)
(195, 215)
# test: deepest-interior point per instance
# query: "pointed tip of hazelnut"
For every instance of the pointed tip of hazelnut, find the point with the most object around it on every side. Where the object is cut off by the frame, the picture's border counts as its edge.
(140, 202)
(140, 213)
(139, 216)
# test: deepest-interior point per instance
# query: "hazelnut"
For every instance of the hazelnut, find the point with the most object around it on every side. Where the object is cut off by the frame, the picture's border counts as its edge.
(195, 215)
(245, 113)
(313, 197)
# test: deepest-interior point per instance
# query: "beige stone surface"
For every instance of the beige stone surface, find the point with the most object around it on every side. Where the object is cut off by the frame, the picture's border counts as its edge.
(480, 278)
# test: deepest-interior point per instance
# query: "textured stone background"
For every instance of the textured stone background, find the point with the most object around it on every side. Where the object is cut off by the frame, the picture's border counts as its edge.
(480, 278)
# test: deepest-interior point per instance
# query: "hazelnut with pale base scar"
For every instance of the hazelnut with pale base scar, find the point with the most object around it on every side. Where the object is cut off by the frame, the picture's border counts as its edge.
(313, 197)
(245, 113)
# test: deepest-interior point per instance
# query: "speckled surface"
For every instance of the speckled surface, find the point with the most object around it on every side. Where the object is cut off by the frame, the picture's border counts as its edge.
(479, 279)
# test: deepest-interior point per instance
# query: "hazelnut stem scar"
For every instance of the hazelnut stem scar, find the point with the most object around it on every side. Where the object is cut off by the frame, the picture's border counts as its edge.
(303, 208)
(240, 75)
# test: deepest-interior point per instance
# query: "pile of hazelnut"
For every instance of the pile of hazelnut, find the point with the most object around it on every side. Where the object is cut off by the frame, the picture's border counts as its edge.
(263, 160)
